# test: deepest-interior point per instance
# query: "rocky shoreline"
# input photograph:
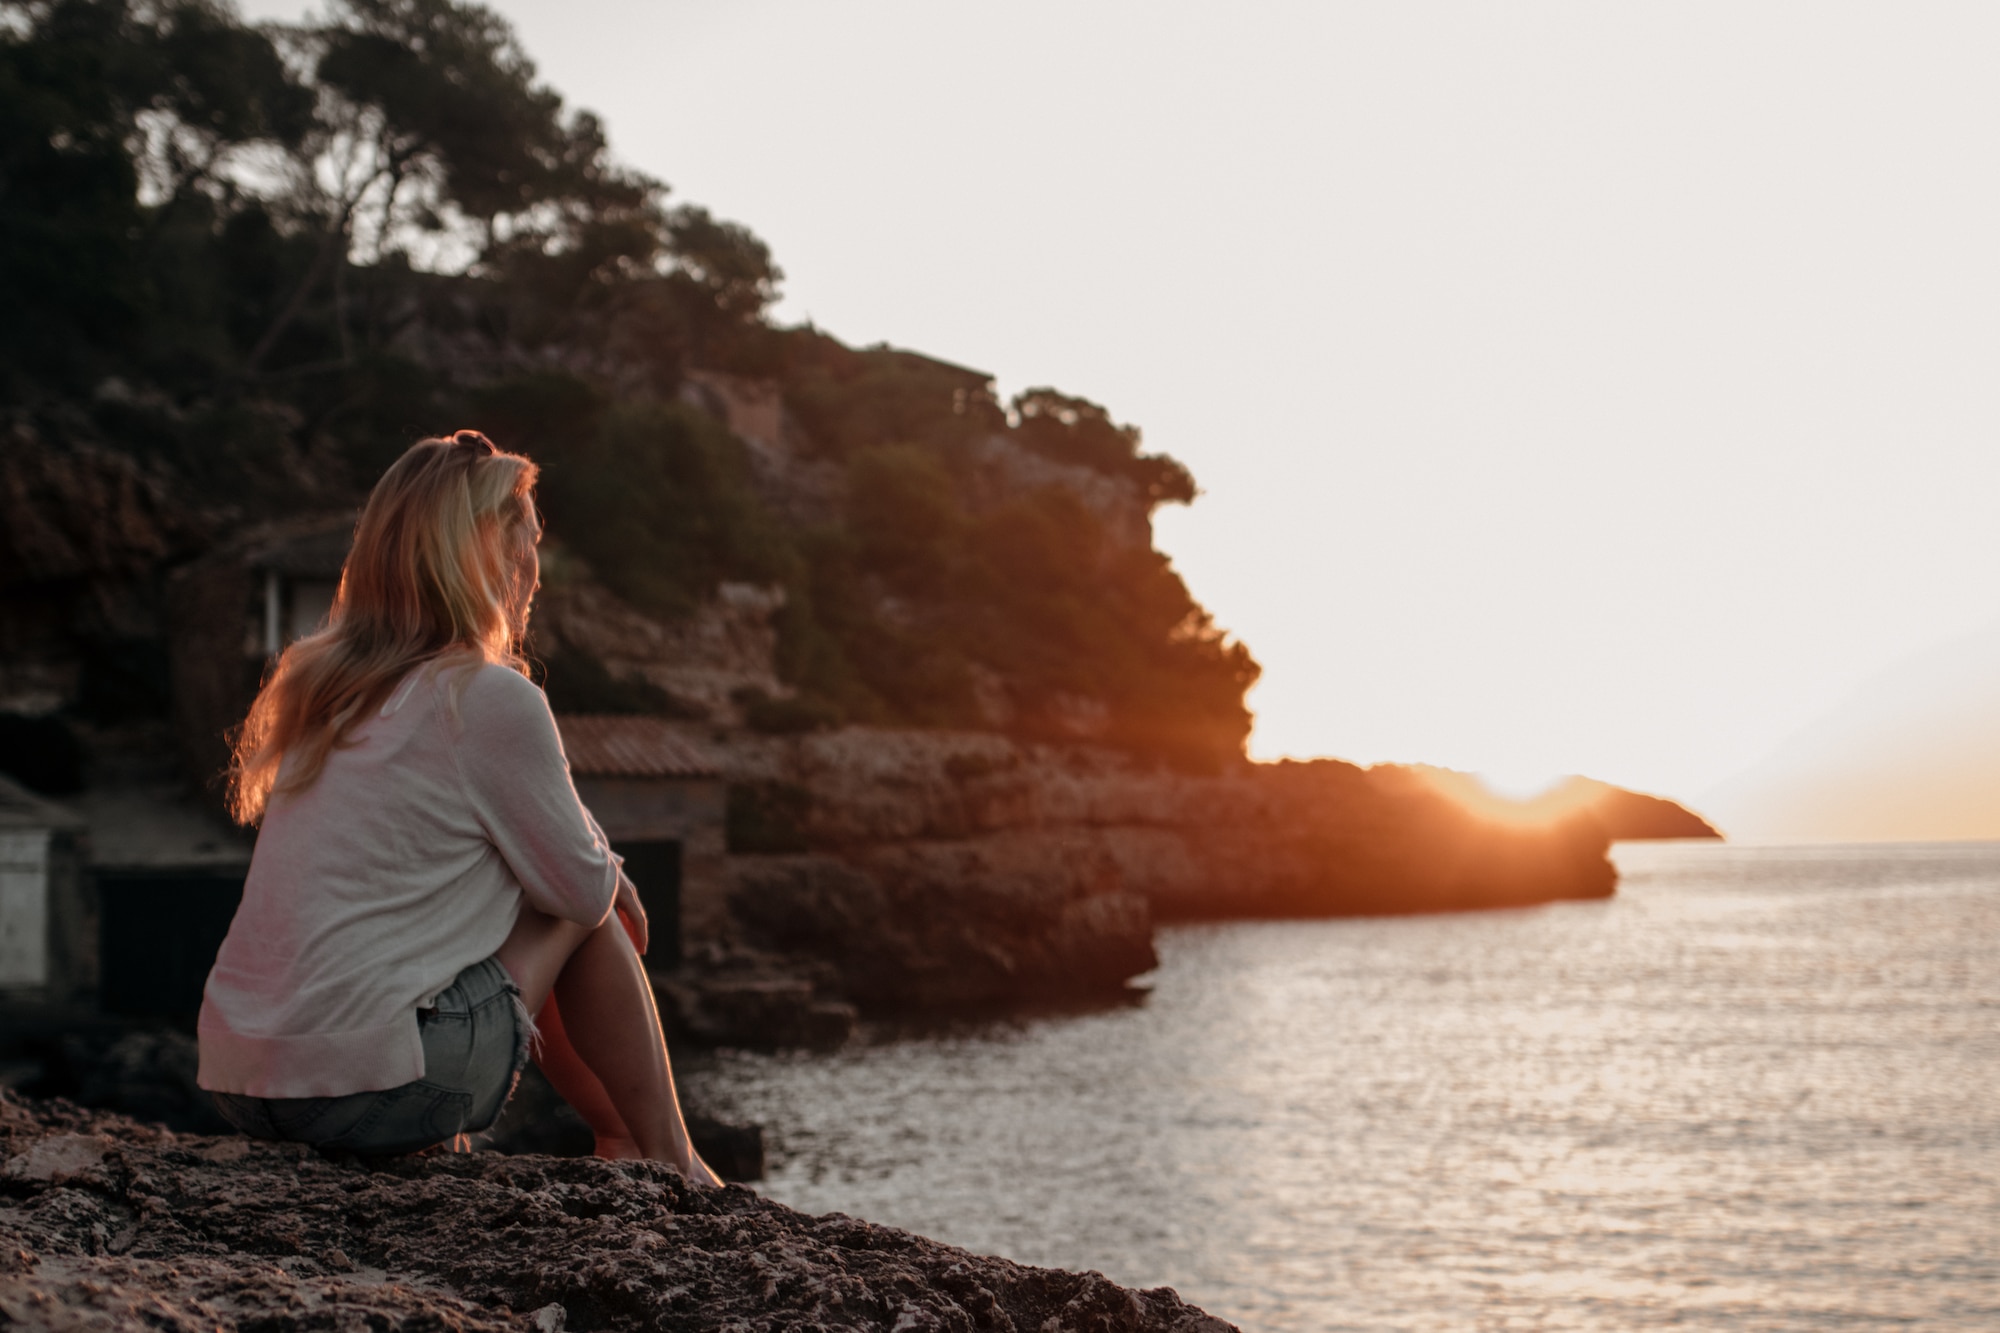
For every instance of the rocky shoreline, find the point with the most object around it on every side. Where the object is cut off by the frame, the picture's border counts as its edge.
(110, 1224)
(880, 873)
(871, 870)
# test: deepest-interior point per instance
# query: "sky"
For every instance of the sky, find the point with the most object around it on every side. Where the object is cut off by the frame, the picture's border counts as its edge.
(1573, 387)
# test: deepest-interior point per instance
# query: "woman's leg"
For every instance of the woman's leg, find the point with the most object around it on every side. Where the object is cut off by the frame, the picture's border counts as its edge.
(611, 1022)
(571, 1077)
(536, 951)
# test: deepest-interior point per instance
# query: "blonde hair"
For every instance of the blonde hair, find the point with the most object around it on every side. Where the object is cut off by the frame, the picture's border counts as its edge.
(427, 580)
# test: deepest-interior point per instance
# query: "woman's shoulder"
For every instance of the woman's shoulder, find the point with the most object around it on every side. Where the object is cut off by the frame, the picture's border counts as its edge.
(497, 679)
(491, 693)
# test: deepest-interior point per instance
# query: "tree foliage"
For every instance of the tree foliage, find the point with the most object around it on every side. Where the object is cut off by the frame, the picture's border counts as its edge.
(267, 257)
(1076, 430)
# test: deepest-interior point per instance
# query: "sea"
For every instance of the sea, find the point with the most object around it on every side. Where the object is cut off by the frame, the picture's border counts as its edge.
(1759, 1088)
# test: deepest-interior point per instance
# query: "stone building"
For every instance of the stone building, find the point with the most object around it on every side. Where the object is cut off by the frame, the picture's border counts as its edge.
(662, 804)
(48, 943)
(168, 873)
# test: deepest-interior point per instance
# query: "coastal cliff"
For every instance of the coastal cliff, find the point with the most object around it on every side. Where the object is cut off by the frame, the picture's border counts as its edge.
(1317, 838)
(110, 1224)
(930, 870)
(977, 734)
(892, 868)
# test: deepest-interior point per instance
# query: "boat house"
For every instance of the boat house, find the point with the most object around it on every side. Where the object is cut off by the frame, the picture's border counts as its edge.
(48, 943)
(662, 803)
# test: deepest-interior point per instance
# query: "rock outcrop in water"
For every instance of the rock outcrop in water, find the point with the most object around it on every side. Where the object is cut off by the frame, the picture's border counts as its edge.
(919, 870)
(108, 1224)
(1318, 838)
(1636, 816)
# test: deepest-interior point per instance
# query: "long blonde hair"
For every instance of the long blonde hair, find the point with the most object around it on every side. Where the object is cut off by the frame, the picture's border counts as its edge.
(427, 580)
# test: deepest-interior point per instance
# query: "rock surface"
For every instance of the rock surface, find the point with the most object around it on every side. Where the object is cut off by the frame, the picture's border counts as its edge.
(150, 1073)
(919, 870)
(83, 533)
(704, 663)
(108, 1224)
(1636, 816)
(950, 924)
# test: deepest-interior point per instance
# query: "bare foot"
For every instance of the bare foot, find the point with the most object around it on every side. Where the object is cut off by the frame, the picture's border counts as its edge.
(618, 1150)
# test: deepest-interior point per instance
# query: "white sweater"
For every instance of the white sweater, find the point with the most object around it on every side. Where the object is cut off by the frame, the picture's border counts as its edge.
(405, 861)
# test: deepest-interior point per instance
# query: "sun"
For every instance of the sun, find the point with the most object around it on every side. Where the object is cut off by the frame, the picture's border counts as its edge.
(1524, 798)
(1518, 784)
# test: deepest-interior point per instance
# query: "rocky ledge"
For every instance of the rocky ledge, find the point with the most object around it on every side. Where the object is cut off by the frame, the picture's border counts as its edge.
(905, 872)
(110, 1224)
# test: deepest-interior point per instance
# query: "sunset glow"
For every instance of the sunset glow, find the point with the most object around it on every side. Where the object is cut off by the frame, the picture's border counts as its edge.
(886, 665)
(1549, 801)
(1518, 784)
(1609, 395)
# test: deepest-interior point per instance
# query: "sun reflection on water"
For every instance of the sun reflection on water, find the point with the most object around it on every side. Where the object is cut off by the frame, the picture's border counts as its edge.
(1752, 1092)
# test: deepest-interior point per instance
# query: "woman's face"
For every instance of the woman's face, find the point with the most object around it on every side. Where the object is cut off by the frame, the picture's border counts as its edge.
(524, 564)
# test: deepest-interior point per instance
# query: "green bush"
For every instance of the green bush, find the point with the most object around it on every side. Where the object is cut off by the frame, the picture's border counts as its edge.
(240, 330)
(904, 513)
(658, 498)
(1078, 431)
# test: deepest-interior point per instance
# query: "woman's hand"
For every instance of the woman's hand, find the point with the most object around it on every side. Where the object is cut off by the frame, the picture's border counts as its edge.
(626, 904)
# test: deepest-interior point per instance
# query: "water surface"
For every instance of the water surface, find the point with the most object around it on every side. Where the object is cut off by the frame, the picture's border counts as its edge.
(1756, 1090)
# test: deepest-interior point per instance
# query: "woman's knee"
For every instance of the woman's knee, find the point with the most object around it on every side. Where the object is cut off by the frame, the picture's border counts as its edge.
(537, 950)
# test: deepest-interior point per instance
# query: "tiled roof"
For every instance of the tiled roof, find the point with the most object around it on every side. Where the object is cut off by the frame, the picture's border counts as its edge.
(309, 548)
(629, 747)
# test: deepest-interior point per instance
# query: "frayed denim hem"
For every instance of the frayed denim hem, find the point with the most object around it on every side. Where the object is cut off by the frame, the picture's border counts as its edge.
(527, 1037)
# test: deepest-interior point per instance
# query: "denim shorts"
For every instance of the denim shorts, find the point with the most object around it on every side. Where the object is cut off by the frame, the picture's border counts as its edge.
(475, 1044)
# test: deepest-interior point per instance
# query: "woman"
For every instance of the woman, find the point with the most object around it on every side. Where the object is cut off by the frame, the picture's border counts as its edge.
(426, 884)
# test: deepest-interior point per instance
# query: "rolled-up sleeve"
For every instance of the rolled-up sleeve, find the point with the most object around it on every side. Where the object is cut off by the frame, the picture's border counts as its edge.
(511, 761)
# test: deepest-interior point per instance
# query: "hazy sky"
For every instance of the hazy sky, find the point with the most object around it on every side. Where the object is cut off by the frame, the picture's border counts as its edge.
(1574, 387)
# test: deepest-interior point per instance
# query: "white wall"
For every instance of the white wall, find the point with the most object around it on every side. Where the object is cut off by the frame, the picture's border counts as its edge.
(24, 907)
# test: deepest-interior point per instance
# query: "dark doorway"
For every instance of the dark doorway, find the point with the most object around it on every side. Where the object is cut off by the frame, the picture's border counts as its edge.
(655, 867)
(158, 933)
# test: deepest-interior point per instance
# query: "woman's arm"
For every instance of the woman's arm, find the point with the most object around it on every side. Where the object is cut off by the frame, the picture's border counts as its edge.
(511, 763)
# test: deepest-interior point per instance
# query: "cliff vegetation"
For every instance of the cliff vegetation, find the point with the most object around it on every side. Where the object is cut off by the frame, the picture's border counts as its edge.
(245, 265)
